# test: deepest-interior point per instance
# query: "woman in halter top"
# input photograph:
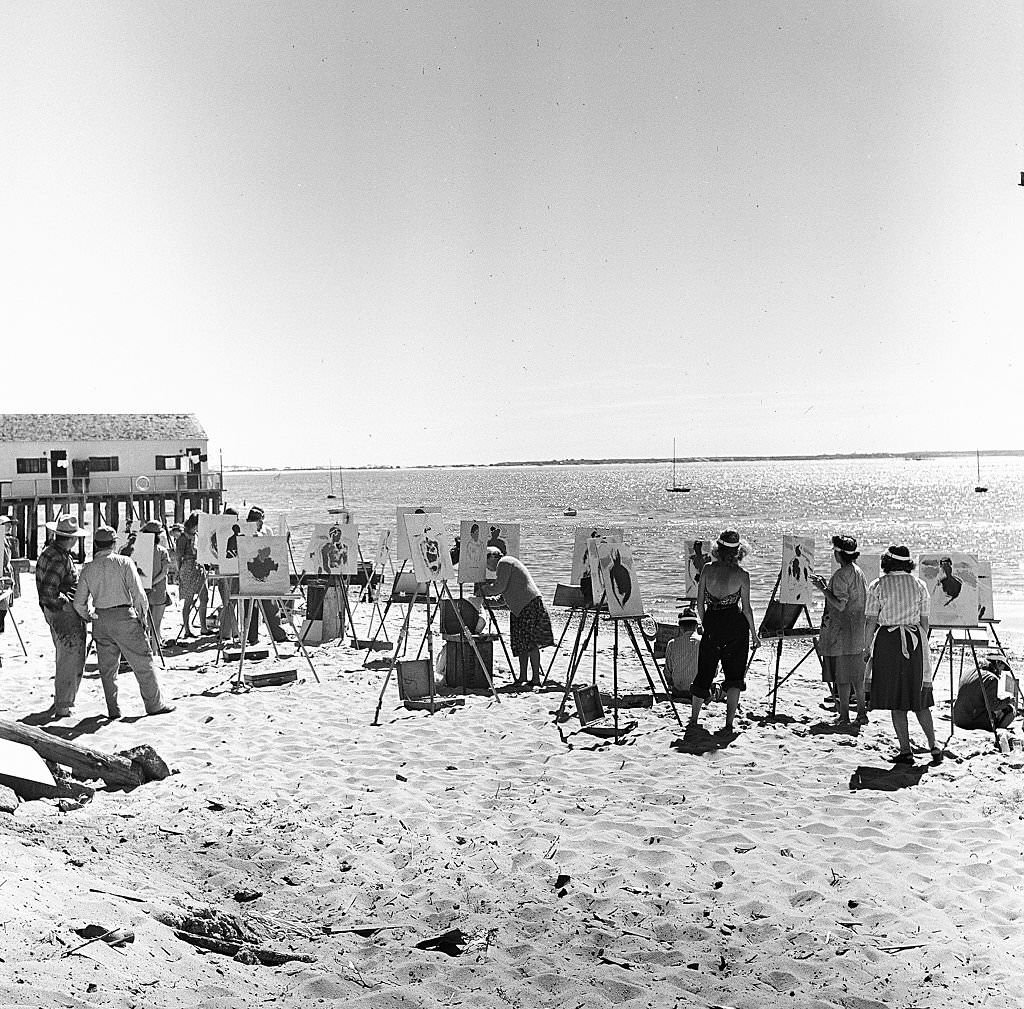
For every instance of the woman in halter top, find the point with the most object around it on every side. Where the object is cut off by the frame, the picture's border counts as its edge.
(723, 602)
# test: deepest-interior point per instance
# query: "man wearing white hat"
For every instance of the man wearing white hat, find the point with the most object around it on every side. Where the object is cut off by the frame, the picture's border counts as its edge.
(112, 583)
(56, 582)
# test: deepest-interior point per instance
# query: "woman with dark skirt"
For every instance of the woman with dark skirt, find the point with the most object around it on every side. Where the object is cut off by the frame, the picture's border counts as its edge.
(723, 603)
(191, 577)
(896, 636)
(529, 622)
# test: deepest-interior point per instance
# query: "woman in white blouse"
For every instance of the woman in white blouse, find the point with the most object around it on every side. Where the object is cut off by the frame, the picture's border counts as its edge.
(896, 636)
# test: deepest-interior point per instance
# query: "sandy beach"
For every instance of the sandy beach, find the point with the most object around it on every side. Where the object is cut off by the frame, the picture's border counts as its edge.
(789, 866)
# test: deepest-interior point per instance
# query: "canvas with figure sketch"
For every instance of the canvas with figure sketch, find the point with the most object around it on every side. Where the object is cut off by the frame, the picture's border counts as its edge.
(333, 549)
(143, 553)
(616, 577)
(430, 547)
(797, 568)
(401, 543)
(580, 560)
(952, 581)
(473, 550)
(697, 553)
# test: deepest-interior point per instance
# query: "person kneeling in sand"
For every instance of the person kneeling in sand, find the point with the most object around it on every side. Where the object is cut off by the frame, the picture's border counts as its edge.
(529, 623)
(978, 704)
(681, 655)
(111, 581)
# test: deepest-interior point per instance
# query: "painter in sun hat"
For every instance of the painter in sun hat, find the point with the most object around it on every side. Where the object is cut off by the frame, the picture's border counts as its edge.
(729, 547)
(152, 526)
(66, 525)
(846, 545)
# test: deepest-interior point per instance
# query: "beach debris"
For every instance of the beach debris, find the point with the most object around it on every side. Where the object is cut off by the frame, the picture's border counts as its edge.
(245, 896)
(113, 769)
(8, 799)
(116, 893)
(364, 929)
(219, 932)
(561, 884)
(94, 933)
(455, 942)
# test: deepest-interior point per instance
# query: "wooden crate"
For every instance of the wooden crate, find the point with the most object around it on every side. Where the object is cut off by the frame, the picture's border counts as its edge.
(461, 667)
(271, 678)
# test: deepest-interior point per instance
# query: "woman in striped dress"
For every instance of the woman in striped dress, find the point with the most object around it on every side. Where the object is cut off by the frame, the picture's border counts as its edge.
(896, 635)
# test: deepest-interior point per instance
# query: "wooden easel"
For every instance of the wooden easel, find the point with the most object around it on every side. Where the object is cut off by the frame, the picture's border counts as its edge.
(7, 596)
(949, 644)
(442, 592)
(372, 639)
(240, 600)
(791, 612)
(577, 605)
(592, 635)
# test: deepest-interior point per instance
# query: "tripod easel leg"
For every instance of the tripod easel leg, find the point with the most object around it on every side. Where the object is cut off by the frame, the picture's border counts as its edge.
(554, 654)
(399, 643)
(445, 590)
(576, 663)
(639, 654)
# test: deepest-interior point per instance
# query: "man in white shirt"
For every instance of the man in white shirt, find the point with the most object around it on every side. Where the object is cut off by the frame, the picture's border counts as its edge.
(118, 613)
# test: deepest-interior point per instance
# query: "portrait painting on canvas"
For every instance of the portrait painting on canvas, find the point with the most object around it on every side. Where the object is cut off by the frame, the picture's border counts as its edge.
(473, 534)
(430, 547)
(333, 550)
(697, 554)
(142, 550)
(383, 550)
(952, 580)
(617, 577)
(401, 544)
(504, 536)
(580, 561)
(797, 567)
(263, 566)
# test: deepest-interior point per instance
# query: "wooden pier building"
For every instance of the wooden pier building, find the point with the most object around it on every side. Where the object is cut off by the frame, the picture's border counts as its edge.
(114, 465)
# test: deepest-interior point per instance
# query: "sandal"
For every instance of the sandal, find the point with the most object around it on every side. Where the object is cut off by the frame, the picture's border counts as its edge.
(901, 758)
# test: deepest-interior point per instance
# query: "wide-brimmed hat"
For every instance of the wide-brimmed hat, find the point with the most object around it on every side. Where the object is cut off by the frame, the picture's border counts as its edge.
(900, 553)
(844, 544)
(730, 539)
(4, 519)
(104, 536)
(152, 526)
(66, 525)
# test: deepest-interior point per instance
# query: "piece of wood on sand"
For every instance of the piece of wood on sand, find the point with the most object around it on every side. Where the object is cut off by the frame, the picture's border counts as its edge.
(85, 763)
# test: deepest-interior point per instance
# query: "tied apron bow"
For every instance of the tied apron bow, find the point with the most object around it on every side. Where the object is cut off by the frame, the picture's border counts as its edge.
(910, 637)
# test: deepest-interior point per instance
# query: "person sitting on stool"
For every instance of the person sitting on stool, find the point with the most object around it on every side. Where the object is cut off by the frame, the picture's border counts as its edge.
(681, 654)
(268, 606)
(112, 583)
(978, 694)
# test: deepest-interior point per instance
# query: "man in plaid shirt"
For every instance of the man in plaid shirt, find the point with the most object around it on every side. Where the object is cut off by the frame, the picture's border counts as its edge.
(56, 581)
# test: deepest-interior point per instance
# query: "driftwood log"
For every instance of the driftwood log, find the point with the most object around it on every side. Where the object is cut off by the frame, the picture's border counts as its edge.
(227, 947)
(85, 763)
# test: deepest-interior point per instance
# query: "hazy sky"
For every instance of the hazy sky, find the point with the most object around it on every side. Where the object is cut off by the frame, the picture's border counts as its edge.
(473, 232)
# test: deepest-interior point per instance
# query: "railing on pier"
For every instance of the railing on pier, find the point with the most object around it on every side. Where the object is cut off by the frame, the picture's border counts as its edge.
(104, 485)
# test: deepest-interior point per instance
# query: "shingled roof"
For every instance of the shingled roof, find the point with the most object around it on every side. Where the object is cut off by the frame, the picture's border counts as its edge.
(68, 427)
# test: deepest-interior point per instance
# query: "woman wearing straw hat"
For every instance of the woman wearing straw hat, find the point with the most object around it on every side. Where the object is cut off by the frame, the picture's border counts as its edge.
(56, 581)
(896, 631)
(723, 603)
(841, 643)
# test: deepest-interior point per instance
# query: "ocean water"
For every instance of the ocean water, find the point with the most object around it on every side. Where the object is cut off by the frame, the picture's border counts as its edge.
(929, 504)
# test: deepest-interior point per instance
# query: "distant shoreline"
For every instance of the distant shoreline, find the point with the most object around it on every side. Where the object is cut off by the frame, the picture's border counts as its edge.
(914, 456)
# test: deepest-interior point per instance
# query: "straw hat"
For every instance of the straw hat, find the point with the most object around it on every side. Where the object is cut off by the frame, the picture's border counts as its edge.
(730, 539)
(152, 526)
(900, 553)
(844, 544)
(66, 525)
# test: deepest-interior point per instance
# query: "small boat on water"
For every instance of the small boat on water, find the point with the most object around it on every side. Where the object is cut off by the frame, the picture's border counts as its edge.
(979, 488)
(330, 473)
(676, 488)
(569, 512)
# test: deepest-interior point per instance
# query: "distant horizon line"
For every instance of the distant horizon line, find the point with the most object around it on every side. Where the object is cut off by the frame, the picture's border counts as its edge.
(819, 457)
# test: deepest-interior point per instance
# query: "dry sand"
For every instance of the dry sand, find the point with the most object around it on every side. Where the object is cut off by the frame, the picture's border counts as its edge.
(580, 873)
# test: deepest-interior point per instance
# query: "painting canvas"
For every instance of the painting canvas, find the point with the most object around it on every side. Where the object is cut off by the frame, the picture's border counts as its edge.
(698, 553)
(401, 545)
(580, 562)
(986, 604)
(430, 547)
(797, 567)
(263, 566)
(504, 536)
(383, 550)
(123, 537)
(473, 535)
(228, 530)
(952, 580)
(142, 548)
(206, 538)
(614, 562)
(333, 550)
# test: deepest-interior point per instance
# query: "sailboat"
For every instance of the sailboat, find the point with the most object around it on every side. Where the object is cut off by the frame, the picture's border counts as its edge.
(343, 510)
(676, 488)
(979, 488)
(330, 473)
